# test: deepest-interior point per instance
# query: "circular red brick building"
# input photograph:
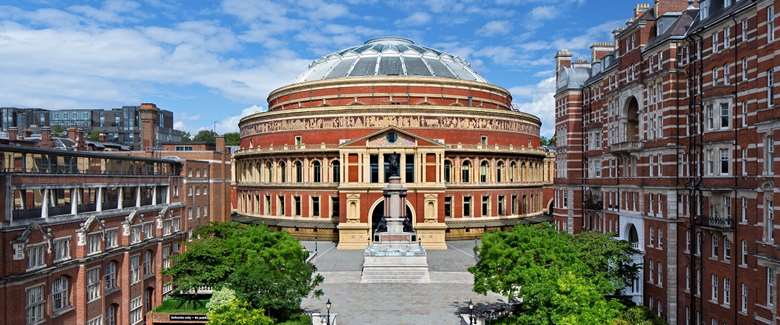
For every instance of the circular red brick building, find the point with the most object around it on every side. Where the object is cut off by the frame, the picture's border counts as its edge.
(315, 163)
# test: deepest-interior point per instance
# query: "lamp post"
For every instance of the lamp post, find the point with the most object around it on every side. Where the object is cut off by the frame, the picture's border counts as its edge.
(315, 244)
(327, 307)
(471, 312)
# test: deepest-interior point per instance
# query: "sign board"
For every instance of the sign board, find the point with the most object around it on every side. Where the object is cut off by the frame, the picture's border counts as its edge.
(180, 317)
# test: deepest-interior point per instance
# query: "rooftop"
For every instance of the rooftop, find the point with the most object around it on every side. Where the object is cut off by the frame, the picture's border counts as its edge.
(389, 56)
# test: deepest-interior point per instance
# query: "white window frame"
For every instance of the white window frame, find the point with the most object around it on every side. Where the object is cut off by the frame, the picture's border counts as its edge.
(61, 248)
(93, 284)
(60, 294)
(35, 308)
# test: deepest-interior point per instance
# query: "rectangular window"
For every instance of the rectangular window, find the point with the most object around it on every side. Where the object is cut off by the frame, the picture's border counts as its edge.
(715, 42)
(36, 305)
(334, 206)
(726, 249)
(93, 243)
(727, 36)
(96, 321)
(136, 311)
(743, 301)
(744, 162)
(770, 23)
(714, 243)
(148, 263)
(111, 237)
(770, 286)
(93, 284)
(148, 230)
(135, 234)
(744, 69)
(448, 207)
(59, 294)
(485, 205)
(35, 256)
(714, 292)
(501, 205)
(315, 206)
(724, 161)
(770, 87)
(110, 276)
(135, 269)
(61, 249)
(726, 291)
(769, 220)
(297, 206)
(466, 206)
(280, 205)
(710, 117)
(743, 252)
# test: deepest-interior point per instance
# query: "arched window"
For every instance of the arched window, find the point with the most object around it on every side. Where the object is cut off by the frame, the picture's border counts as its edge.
(500, 172)
(298, 172)
(59, 293)
(335, 171)
(283, 171)
(512, 167)
(268, 168)
(317, 171)
(465, 170)
(483, 172)
(447, 171)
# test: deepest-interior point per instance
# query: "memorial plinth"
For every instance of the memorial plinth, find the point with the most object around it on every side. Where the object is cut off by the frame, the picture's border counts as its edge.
(395, 256)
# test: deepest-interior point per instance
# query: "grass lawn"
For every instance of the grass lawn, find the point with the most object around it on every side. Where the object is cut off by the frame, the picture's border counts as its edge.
(178, 305)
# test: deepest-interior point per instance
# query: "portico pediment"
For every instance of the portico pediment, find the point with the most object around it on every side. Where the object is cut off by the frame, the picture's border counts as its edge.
(391, 137)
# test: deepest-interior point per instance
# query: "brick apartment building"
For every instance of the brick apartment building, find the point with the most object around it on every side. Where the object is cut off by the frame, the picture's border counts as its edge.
(86, 234)
(666, 138)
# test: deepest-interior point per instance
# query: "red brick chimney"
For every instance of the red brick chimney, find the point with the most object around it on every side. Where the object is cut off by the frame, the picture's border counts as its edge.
(600, 49)
(45, 137)
(72, 134)
(664, 6)
(77, 136)
(13, 133)
(102, 137)
(562, 60)
(220, 141)
(149, 117)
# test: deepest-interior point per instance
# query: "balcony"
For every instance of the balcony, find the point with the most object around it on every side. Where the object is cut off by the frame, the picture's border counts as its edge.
(716, 222)
(627, 144)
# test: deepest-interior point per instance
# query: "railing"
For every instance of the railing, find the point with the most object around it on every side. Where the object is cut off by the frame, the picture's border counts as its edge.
(592, 204)
(455, 146)
(715, 222)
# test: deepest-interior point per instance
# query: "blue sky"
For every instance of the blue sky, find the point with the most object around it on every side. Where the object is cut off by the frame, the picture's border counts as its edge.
(211, 62)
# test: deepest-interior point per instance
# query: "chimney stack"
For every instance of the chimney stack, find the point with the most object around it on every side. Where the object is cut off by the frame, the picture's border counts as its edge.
(13, 133)
(102, 137)
(150, 114)
(220, 141)
(600, 49)
(664, 6)
(72, 134)
(45, 137)
(562, 60)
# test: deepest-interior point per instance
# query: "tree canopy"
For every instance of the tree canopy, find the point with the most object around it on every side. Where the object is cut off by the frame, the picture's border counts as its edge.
(232, 138)
(206, 136)
(560, 278)
(266, 269)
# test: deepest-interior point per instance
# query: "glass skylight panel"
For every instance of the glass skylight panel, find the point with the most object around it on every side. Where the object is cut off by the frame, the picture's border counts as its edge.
(319, 70)
(379, 47)
(415, 67)
(460, 70)
(390, 66)
(365, 67)
(401, 47)
(417, 48)
(438, 68)
(341, 69)
(362, 48)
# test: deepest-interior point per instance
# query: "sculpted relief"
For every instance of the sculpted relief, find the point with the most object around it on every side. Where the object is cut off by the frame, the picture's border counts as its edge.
(382, 121)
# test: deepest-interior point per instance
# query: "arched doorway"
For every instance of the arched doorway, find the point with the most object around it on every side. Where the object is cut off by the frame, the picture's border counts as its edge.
(379, 210)
(633, 236)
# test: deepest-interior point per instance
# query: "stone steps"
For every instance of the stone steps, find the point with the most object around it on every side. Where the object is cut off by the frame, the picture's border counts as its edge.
(395, 274)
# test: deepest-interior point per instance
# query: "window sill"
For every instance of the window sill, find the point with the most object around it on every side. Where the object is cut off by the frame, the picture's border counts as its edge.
(60, 312)
(93, 300)
(108, 291)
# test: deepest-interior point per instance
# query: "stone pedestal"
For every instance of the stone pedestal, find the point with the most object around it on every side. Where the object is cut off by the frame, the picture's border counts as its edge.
(431, 235)
(353, 235)
(395, 256)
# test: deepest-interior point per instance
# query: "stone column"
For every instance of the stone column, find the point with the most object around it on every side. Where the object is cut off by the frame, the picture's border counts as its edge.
(99, 203)
(168, 195)
(154, 195)
(119, 204)
(45, 205)
(74, 201)
(381, 162)
(138, 196)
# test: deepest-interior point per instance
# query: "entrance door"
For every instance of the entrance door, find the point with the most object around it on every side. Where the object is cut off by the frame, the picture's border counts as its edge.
(379, 211)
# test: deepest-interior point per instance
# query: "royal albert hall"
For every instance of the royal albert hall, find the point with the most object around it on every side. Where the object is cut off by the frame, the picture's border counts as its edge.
(316, 162)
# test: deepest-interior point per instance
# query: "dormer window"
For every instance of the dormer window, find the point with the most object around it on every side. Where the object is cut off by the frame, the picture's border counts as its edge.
(704, 9)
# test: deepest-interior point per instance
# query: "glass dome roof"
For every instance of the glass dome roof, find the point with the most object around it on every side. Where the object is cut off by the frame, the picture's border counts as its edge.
(389, 56)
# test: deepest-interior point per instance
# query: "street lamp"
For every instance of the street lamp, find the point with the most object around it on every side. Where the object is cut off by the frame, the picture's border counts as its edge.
(471, 312)
(327, 307)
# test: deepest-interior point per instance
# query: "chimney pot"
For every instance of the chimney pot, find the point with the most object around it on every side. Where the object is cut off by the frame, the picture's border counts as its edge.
(45, 137)
(13, 133)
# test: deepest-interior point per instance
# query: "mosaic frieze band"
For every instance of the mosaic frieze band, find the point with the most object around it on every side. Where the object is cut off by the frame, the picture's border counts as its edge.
(382, 121)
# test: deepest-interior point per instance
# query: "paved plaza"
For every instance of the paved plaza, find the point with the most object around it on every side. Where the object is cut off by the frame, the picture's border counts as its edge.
(437, 302)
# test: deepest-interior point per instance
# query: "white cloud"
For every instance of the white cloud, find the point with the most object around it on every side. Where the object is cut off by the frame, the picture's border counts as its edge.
(495, 27)
(544, 12)
(415, 19)
(230, 124)
(538, 100)
(112, 11)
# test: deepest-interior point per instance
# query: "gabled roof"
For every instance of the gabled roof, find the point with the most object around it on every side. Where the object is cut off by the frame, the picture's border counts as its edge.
(419, 140)
(678, 29)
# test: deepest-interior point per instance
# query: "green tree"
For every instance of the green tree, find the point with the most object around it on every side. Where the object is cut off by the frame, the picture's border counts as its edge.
(232, 138)
(224, 308)
(57, 130)
(206, 136)
(186, 137)
(93, 135)
(267, 269)
(559, 278)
